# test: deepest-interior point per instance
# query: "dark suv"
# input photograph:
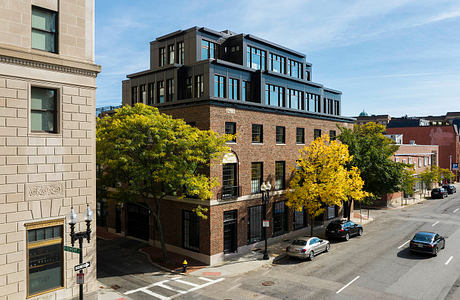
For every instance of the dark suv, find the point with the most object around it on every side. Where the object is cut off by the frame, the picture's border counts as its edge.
(343, 229)
(438, 193)
(450, 188)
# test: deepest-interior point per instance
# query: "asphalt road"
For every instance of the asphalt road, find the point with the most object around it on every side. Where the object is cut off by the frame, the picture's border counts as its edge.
(377, 265)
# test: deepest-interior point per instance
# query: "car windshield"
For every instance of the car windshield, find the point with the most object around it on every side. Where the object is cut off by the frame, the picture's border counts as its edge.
(423, 237)
(299, 243)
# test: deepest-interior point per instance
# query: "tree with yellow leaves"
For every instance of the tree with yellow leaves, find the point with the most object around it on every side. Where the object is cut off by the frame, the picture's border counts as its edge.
(322, 179)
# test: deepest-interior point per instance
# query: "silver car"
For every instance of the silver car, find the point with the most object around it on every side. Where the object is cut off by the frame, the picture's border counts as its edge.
(307, 247)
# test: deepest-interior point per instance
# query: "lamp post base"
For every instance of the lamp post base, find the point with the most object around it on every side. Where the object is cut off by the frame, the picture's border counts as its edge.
(265, 256)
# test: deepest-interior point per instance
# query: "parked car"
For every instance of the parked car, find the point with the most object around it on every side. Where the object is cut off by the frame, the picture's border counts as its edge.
(427, 242)
(307, 247)
(450, 188)
(343, 229)
(438, 193)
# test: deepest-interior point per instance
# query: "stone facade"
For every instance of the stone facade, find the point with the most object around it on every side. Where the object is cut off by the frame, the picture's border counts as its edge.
(42, 175)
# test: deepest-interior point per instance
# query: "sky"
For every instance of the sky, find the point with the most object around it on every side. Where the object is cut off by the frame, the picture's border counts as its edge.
(396, 57)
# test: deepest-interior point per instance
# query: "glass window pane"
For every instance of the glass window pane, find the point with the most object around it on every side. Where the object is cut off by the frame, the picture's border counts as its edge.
(42, 121)
(43, 41)
(43, 20)
(45, 268)
(40, 234)
(43, 99)
(57, 231)
(31, 235)
(49, 233)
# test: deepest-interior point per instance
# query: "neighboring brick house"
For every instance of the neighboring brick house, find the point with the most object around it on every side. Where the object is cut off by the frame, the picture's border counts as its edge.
(47, 145)
(232, 83)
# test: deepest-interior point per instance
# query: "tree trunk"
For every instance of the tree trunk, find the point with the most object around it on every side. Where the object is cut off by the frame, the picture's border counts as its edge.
(160, 230)
(312, 224)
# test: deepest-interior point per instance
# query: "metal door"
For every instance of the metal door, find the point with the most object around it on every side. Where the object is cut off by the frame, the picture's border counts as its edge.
(230, 231)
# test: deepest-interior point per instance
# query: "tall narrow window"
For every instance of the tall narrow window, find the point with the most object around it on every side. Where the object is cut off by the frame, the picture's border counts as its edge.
(332, 134)
(280, 174)
(180, 56)
(219, 86)
(256, 176)
(188, 88)
(162, 57)
(246, 95)
(294, 99)
(44, 29)
(171, 54)
(134, 95)
(295, 68)
(229, 184)
(233, 88)
(161, 91)
(208, 49)
(190, 230)
(151, 93)
(280, 135)
(257, 133)
(170, 89)
(277, 63)
(43, 115)
(255, 223)
(230, 128)
(330, 106)
(143, 94)
(316, 133)
(45, 267)
(274, 95)
(199, 86)
(279, 218)
(337, 108)
(256, 58)
(300, 136)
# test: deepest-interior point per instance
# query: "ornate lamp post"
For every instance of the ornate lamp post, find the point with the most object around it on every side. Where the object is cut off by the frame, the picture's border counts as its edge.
(80, 235)
(265, 188)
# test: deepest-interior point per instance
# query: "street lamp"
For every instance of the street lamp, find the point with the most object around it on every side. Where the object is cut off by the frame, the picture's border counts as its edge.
(80, 236)
(265, 188)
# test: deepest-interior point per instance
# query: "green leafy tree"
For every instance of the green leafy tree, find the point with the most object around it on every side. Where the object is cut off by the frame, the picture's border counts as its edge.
(372, 152)
(408, 181)
(153, 156)
(448, 175)
(322, 179)
(427, 178)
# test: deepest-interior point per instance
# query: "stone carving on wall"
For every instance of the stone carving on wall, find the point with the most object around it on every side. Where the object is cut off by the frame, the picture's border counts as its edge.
(39, 191)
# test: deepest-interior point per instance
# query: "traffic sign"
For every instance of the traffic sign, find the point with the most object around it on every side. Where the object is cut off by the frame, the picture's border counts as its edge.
(265, 223)
(81, 266)
(71, 249)
(80, 278)
(455, 166)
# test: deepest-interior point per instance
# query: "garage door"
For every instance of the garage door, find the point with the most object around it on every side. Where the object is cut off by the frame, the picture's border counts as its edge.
(138, 221)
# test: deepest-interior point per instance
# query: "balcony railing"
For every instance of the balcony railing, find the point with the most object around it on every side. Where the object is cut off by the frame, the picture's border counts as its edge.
(229, 192)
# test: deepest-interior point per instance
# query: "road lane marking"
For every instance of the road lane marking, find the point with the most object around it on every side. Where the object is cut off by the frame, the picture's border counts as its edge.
(435, 223)
(345, 286)
(403, 244)
(456, 210)
(186, 282)
(448, 261)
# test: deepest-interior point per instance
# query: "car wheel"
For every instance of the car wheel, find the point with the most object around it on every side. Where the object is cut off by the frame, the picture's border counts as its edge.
(347, 236)
(311, 255)
(435, 252)
(360, 232)
(328, 247)
(443, 245)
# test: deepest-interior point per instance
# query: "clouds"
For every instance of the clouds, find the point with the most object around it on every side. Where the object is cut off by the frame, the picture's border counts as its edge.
(369, 49)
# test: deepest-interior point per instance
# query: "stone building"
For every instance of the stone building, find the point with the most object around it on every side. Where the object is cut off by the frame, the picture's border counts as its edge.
(47, 145)
(232, 83)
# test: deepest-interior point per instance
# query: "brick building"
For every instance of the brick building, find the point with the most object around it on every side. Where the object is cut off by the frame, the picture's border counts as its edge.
(47, 145)
(231, 83)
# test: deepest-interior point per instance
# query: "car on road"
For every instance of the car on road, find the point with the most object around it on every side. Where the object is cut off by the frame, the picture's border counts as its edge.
(307, 247)
(438, 193)
(450, 188)
(343, 229)
(427, 242)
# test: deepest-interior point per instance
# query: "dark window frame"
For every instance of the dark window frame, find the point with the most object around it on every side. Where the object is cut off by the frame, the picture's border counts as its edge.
(280, 166)
(54, 111)
(230, 128)
(316, 133)
(221, 86)
(171, 54)
(255, 217)
(199, 86)
(55, 33)
(300, 136)
(234, 89)
(162, 56)
(150, 93)
(256, 167)
(280, 135)
(193, 241)
(257, 134)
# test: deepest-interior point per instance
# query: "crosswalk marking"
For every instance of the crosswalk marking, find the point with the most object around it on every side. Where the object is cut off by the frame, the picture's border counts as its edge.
(179, 292)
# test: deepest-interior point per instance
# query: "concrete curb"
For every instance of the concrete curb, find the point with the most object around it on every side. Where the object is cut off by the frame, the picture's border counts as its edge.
(160, 266)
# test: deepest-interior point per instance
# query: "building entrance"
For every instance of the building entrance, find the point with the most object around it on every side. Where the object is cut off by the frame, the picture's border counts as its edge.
(230, 231)
(138, 224)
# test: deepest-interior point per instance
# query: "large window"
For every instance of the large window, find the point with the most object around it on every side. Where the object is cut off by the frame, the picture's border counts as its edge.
(280, 135)
(162, 57)
(199, 88)
(188, 88)
(246, 95)
(170, 89)
(295, 68)
(336, 108)
(255, 214)
(161, 91)
(208, 49)
(280, 174)
(44, 29)
(233, 89)
(313, 102)
(300, 136)
(180, 49)
(277, 63)
(229, 181)
(332, 134)
(256, 58)
(151, 93)
(279, 218)
(219, 86)
(45, 268)
(300, 219)
(43, 113)
(295, 99)
(330, 106)
(256, 176)
(257, 133)
(230, 128)
(190, 230)
(171, 54)
(316, 133)
(274, 95)
(134, 95)
(143, 93)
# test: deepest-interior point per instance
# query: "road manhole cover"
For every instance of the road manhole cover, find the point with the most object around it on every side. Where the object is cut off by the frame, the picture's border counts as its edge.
(268, 283)
(115, 287)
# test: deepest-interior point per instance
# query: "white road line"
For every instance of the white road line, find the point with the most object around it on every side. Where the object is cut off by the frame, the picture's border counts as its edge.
(435, 223)
(356, 278)
(171, 288)
(186, 282)
(146, 287)
(206, 279)
(155, 294)
(455, 210)
(199, 287)
(448, 261)
(403, 244)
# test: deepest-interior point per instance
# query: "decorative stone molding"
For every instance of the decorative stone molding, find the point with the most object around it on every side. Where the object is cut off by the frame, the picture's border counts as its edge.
(40, 191)
(47, 66)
